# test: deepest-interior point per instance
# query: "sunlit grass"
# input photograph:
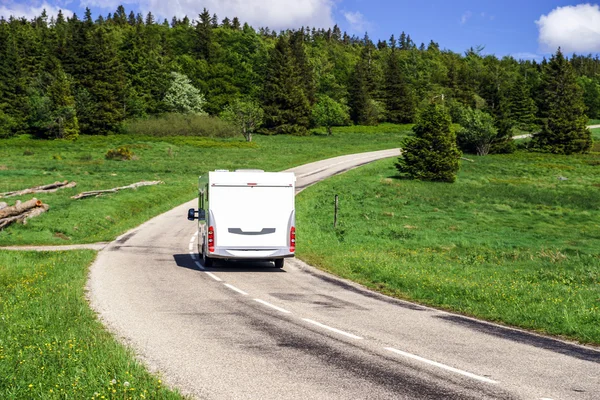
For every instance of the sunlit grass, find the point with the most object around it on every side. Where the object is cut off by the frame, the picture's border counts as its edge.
(51, 344)
(509, 241)
(177, 161)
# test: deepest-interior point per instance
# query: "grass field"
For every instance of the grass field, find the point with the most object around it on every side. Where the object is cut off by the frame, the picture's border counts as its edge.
(177, 161)
(51, 344)
(508, 242)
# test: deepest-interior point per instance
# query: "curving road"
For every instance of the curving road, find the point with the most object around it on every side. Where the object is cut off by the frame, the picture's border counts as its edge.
(251, 331)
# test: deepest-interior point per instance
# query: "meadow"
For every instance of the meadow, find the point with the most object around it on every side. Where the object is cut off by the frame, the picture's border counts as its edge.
(508, 242)
(51, 344)
(175, 160)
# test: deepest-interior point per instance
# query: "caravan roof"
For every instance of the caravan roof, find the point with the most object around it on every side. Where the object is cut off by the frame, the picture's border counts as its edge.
(251, 178)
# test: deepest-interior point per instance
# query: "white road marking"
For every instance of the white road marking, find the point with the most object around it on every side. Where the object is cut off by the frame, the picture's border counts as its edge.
(193, 255)
(443, 366)
(191, 246)
(236, 289)
(331, 329)
(216, 278)
(193, 239)
(272, 306)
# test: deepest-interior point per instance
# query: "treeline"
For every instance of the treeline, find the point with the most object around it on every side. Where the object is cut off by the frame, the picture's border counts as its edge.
(60, 77)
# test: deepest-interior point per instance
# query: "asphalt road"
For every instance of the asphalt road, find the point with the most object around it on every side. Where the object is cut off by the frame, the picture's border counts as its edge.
(251, 331)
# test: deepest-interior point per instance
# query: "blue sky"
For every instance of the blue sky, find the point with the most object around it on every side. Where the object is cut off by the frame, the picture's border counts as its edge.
(524, 29)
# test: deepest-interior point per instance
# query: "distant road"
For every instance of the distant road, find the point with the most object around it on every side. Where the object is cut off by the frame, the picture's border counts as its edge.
(251, 331)
(530, 135)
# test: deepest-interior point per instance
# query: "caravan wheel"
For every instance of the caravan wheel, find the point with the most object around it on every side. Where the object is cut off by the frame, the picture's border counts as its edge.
(206, 261)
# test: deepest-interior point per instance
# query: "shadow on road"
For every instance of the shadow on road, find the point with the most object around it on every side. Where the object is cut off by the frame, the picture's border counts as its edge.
(557, 346)
(186, 261)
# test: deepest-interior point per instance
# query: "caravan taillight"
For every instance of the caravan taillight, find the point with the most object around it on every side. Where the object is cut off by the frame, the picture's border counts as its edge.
(292, 239)
(211, 239)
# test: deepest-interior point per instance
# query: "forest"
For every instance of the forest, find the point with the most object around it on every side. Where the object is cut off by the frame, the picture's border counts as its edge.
(61, 77)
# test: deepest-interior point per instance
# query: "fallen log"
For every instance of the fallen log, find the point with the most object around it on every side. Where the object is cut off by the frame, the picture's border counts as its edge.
(467, 159)
(20, 208)
(114, 190)
(22, 218)
(3, 205)
(50, 188)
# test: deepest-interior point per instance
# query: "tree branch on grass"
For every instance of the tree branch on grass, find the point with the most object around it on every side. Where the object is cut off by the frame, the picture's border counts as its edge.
(50, 188)
(114, 190)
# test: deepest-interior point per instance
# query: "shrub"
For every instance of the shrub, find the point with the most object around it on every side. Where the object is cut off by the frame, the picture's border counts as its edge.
(174, 124)
(121, 153)
(183, 97)
(8, 125)
(477, 132)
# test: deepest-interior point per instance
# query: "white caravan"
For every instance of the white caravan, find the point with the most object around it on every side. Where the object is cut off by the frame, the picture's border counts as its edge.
(246, 215)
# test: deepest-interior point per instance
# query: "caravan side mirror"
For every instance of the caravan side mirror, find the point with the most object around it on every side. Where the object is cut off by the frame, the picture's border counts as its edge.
(201, 214)
(191, 214)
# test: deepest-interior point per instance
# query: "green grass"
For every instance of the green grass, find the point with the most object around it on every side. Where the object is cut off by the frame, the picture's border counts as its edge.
(51, 344)
(177, 161)
(594, 122)
(366, 129)
(507, 242)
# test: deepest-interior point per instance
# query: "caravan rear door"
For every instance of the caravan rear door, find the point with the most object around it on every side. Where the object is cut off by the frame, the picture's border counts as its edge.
(252, 215)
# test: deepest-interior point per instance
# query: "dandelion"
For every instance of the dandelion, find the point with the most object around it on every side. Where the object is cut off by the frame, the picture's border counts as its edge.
(126, 384)
(113, 382)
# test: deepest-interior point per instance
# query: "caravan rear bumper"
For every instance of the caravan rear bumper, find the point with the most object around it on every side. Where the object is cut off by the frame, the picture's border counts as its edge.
(250, 254)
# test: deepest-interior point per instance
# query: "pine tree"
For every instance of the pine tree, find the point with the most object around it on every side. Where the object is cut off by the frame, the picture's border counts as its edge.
(65, 122)
(522, 106)
(286, 106)
(105, 82)
(302, 64)
(119, 17)
(13, 79)
(564, 121)
(204, 36)
(431, 155)
(359, 99)
(399, 97)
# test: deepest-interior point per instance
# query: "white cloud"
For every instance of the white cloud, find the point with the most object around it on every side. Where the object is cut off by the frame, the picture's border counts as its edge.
(30, 11)
(357, 21)
(465, 17)
(573, 28)
(276, 14)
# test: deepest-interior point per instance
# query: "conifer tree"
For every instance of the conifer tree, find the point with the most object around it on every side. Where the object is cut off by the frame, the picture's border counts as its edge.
(13, 83)
(204, 36)
(359, 99)
(302, 64)
(564, 121)
(522, 107)
(400, 99)
(104, 80)
(431, 155)
(285, 104)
